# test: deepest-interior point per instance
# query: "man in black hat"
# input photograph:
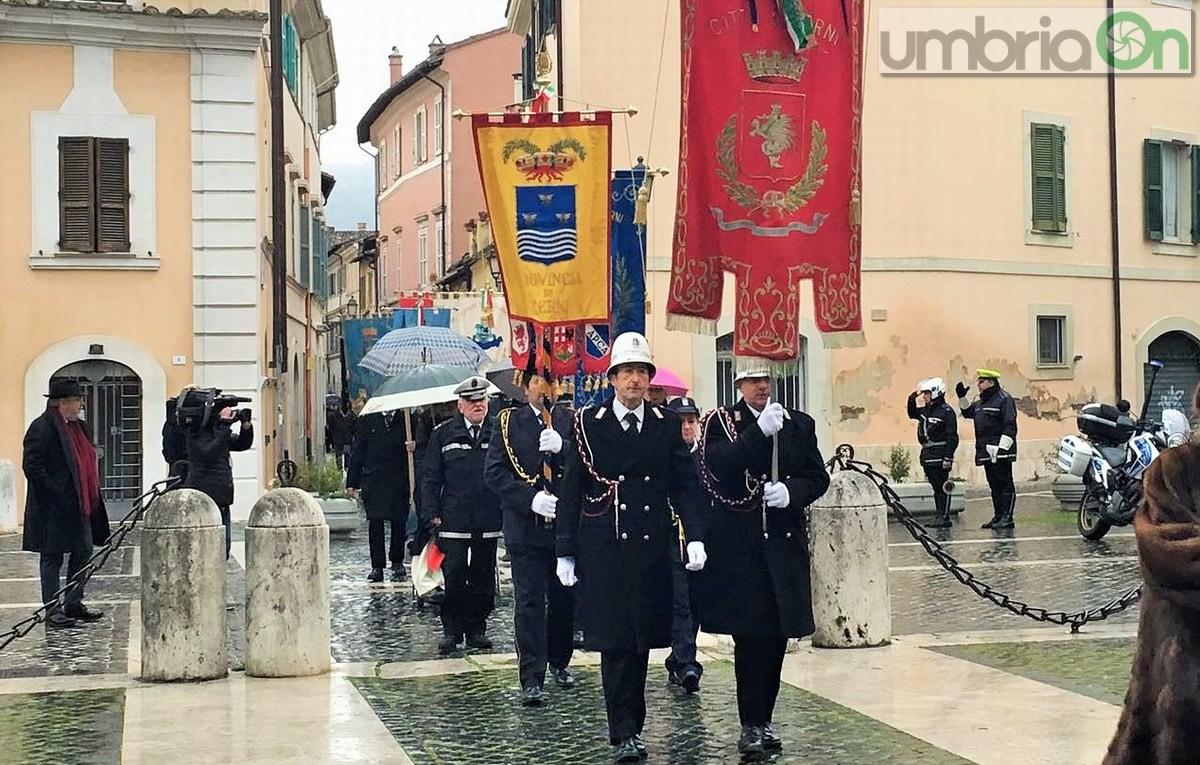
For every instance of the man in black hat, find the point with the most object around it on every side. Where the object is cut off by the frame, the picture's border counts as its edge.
(465, 515)
(682, 667)
(524, 466)
(64, 510)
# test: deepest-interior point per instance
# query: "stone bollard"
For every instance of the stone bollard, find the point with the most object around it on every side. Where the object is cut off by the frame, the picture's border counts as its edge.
(287, 586)
(848, 545)
(8, 496)
(184, 625)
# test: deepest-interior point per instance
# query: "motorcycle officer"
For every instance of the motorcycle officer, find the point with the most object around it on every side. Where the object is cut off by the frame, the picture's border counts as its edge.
(937, 432)
(995, 416)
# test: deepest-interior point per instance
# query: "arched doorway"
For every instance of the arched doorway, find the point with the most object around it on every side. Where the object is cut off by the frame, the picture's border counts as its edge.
(1179, 353)
(113, 407)
(788, 391)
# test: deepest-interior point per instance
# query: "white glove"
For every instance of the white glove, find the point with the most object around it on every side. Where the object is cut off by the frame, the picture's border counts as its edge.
(1006, 443)
(963, 402)
(550, 441)
(565, 571)
(992, 450)
(771, 419)
(545, 505)
(697, 557)
(776, 495)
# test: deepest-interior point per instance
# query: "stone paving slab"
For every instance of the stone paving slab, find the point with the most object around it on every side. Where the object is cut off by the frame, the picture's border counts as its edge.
(23, 565)
(99, 648)
(1016, 549)
(475, 719)
(1095, 667)
(99, 587)
(70, 727)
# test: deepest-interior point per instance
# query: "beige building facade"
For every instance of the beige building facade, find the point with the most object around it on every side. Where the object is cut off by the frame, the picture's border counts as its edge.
(964, 264)
(136, 220)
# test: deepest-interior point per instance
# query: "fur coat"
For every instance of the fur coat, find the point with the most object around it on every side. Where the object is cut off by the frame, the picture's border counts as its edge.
(1158, 725)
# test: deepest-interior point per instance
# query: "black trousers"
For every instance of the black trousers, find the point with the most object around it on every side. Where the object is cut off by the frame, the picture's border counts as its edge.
(757, 664)
(937, 477)
(226, 521)
(623, 674)
(543, 614)
(683, 625)
(50, 568)
(395, 550)
(470, 573)
(1004, 492)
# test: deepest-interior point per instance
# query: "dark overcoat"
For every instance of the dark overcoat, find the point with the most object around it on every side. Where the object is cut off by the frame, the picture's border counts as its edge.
(757, 583)
(452, 484)
(995, 415)
(208, 467)
(614, 518)
(514, 470)
(53, 516)
(379, 463)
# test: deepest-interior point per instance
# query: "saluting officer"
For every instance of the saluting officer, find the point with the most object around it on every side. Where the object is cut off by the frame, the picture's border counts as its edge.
(761, 466)
(628, 469)
(465, 514)
(522, 450)
(995, 416)
(937, 432)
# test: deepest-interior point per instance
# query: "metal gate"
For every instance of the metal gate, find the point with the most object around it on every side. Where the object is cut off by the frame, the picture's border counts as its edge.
(788, 391)
(114, 414)
(1180, 355)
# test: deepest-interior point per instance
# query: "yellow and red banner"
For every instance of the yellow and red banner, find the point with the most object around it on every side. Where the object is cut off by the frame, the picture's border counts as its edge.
(546, 184)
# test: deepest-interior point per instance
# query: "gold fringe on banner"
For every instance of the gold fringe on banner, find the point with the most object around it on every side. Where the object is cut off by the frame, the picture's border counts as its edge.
(693, 325)
(834, 340)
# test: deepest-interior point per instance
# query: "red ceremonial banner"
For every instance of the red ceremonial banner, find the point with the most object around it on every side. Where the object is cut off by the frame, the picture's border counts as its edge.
(564, 352)
(769, 181)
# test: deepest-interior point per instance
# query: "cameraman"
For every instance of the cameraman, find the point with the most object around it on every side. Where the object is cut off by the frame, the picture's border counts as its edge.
(209, 470)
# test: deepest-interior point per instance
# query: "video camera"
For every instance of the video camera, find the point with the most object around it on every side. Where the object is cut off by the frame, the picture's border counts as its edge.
(197, 408)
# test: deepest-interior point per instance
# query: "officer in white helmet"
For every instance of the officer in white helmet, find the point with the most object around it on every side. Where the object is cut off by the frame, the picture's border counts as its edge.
(761, 468)
(937, 432)
(615, 534)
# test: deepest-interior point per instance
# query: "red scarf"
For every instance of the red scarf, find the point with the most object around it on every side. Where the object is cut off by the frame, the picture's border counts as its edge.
(89, 471)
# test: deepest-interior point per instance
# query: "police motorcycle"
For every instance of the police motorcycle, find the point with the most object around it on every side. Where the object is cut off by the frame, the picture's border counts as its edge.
(1112, 453)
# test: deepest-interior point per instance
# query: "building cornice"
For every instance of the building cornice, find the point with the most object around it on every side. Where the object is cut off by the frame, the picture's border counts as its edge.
(39, 24)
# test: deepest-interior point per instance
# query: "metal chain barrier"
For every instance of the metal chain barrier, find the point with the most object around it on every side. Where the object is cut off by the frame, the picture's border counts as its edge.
(94, 562)
(947, 561)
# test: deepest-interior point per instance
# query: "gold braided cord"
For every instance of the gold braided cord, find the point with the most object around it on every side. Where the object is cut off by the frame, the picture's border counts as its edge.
(516, 463)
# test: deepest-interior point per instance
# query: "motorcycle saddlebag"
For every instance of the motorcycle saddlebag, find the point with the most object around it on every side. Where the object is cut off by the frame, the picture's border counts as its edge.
(1105, 423)
(1074, 454)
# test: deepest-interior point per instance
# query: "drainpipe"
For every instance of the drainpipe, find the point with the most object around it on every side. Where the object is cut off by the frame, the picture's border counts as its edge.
(1114, 219)
(278, 212)
(442, 172)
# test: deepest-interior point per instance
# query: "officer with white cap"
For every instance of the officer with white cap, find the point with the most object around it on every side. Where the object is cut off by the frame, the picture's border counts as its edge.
(464, 512)
(937, 432)
(761, 467)
(630, 467)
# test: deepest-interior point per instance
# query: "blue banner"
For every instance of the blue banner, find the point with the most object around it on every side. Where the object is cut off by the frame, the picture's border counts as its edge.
(628, 254)
(359, 336)
(402, 318)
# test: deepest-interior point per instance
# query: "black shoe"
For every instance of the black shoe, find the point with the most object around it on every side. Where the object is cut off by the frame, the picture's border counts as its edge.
(751, 741)
(940, 521)
(479, 640)
(448, 644)
(770, 738)
(376, 575)
(1003, 522)
(84, 614)
(991, 523)
(577, 639)
(60, 621)
(399, 574)
(626, 751)
(563, 678)
(531, 696)
(640, 746)
(690, 680)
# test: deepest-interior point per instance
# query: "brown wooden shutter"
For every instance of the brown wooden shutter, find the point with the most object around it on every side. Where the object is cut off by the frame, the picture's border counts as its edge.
(112, 193)
(76, 195)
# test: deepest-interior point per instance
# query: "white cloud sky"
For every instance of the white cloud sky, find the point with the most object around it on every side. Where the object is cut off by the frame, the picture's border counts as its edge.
(364, 32)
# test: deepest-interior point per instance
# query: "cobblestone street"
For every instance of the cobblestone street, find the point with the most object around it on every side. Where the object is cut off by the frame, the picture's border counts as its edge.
(952, 651)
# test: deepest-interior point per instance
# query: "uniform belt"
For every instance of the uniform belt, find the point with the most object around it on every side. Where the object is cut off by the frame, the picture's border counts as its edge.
(469, 535)
(935, 443)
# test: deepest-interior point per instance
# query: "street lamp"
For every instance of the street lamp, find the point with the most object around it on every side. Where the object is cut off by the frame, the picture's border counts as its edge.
(352, 307)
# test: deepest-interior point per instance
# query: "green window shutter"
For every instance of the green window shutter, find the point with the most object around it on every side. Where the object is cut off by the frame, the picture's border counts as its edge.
(305, 256)
(76, 195)
(1195, 195)
(1152, 169)
(112, 194)
(1048, 163)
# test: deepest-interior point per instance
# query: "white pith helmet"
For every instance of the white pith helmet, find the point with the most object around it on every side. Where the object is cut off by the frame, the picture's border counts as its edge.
(631, 348)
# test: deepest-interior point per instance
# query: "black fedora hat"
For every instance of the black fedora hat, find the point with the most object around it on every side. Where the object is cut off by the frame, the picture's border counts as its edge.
(65, 389)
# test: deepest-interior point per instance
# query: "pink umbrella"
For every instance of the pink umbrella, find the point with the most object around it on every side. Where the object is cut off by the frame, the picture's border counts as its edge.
(669, 382)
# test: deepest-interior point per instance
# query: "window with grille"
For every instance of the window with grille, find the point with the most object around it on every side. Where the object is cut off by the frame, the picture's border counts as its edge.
(788, 391)
(93, 194)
